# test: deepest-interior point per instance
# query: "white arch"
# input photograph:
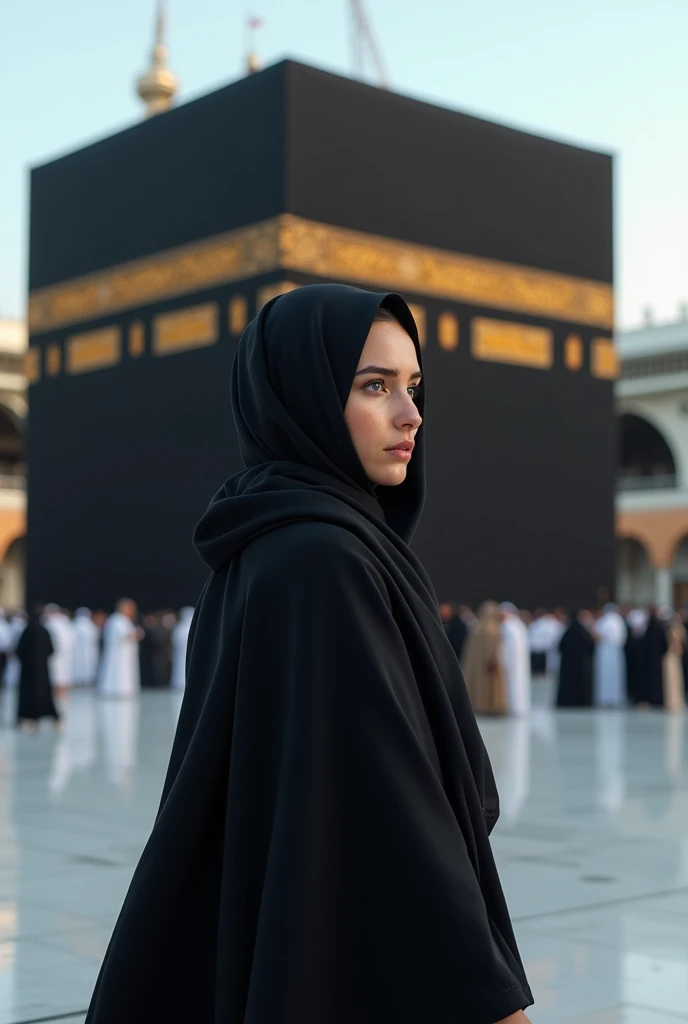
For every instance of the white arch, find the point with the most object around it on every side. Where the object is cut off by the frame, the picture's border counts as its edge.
(668, 424)
(16, 408)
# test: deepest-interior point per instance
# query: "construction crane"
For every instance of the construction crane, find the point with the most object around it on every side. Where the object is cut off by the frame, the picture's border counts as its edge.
(364, 45)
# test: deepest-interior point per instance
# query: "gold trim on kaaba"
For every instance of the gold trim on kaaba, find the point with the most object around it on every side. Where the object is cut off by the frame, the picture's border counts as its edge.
(137, 339)
(53, 359)
(604, 359)
(341, 254)
(94, 350)
(270, 291)
(238, 314)
(447, 330)
(501, 341)
(574, 353)
(224, 258)
(188, 328)
(32, 364)
(291, 243)
(420, 315)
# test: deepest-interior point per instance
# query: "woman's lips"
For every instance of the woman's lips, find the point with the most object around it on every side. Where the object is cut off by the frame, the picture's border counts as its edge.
(402, 450)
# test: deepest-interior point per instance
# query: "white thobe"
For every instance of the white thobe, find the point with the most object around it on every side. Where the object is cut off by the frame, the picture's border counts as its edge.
(119, 674)
(610, 662)
(5, 635)
(61, 631)
(180, 639)
(86, 651)
(516, 659)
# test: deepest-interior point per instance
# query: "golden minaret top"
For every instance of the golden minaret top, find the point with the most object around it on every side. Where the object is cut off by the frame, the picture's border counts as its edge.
(158, 86)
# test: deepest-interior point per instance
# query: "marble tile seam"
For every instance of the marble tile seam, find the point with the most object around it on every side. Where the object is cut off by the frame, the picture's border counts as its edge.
(601, 905)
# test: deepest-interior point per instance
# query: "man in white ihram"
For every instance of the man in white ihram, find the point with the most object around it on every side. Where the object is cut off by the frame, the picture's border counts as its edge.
(86, 648)
(516, 659)
(610, 663)
(119, 674)
(61, 631)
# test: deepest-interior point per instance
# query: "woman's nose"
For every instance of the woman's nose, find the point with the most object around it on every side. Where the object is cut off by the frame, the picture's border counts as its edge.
(409, 415)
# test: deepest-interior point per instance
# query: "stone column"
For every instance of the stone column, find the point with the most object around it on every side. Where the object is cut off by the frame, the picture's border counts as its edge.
(664, 587)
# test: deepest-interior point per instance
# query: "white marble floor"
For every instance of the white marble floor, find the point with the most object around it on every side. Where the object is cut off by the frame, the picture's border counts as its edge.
(592, 846)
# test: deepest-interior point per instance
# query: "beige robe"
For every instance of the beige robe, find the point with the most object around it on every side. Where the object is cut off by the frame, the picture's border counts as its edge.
(674, 699)
(482, 663)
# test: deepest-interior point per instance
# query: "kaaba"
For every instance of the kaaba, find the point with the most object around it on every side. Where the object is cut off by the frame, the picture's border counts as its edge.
(151, 249)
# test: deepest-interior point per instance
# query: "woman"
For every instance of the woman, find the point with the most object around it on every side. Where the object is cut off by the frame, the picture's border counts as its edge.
(652, 648)
(483, 663)
(321, 853)
(674, 699)
(34, 650)
(577, 649)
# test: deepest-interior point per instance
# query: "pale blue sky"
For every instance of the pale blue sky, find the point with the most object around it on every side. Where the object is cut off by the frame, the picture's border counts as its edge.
(607, 73)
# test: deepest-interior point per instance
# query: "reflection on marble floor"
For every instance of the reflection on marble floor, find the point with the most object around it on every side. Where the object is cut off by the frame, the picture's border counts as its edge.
(592, 847)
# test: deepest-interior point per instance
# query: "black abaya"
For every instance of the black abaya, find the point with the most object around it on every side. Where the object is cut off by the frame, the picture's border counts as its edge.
(634, 664)
(652, 647)
(321, 853)
(457, 631)
(35, 687)
(577, 648)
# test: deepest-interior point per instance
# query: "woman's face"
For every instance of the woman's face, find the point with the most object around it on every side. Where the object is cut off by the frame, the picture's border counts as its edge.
(380, 411)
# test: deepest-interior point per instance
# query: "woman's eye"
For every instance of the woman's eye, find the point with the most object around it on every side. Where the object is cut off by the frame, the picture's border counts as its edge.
(415, 390)
(373, 386)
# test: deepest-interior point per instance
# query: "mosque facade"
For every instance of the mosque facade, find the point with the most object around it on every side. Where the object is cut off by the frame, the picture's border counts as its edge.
(652, 481)
(13, 412)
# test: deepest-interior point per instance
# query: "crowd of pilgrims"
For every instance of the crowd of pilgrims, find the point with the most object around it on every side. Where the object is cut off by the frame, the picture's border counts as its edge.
(612, 658)
(49, 650)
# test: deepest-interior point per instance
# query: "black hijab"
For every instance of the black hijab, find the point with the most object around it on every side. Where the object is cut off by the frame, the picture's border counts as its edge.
(290, 383)
(321, 853)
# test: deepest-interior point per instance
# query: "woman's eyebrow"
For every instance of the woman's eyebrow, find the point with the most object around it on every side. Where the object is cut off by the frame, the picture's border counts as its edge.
(384, 371)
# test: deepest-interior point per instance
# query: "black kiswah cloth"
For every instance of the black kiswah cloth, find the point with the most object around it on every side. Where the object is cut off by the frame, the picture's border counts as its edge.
(321, 852)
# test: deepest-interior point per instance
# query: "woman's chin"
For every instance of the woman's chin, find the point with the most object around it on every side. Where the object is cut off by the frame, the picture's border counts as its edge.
(389, 476)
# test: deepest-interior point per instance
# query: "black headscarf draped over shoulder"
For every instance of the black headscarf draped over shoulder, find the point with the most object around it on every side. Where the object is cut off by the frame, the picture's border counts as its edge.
(321, 852)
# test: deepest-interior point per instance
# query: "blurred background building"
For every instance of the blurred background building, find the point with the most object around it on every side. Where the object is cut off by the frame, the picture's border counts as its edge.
(13, 408)
(652, 501)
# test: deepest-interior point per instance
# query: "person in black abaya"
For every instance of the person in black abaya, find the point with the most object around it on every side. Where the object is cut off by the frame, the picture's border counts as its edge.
(455, 628)
(321, 854)
(155, 652)
(35, 686)
(147, 652)
(577, 650)
(652, 647)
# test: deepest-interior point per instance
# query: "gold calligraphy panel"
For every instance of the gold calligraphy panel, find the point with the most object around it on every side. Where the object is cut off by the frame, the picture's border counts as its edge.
(137, 339)
(573, 353)
(94, 350)
(338, 253)
(604, 360)
(217, 260)
(32, 364)
(192, 327)
(292, 243)
(447, 331)
(501, 341)
(53, 359)
(238, 314)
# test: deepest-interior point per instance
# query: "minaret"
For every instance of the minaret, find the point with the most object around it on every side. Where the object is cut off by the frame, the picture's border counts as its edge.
(158, 86)
(253, 61)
